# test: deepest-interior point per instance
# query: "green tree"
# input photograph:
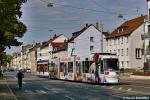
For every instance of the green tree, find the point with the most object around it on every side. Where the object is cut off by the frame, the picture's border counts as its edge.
(10, 25)
(8, 58)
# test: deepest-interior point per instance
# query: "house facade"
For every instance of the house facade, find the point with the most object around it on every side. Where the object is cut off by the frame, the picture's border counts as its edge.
(86, 42)
(33, 57)
(126, 42)
(45, 55)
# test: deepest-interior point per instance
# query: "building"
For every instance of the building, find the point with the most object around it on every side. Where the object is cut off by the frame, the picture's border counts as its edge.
(58, 53)
(126, 42)
(16, 61)
(87, 41)
(45, 55)
(25, 57)
(57, 41)
(33, 57)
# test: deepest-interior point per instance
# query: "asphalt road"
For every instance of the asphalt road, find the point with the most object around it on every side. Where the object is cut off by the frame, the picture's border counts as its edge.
(35, 88)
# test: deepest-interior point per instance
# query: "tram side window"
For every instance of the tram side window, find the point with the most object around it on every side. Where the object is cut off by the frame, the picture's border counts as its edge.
(86, 65)
(62, 66)
(101, 66)
(78, 67)
(70, 66)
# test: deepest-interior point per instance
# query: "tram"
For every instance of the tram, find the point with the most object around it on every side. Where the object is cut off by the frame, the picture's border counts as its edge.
(101, 68)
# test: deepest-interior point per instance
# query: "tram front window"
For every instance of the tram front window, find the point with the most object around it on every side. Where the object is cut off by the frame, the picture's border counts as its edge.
(70, 66)
(111, 64)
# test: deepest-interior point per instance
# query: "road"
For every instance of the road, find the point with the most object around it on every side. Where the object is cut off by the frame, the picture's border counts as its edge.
(35, 88)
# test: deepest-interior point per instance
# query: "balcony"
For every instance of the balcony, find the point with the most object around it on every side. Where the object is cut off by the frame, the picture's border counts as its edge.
(145, 36)
(148, 50)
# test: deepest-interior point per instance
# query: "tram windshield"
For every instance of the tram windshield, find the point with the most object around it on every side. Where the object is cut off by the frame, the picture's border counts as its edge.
(111, 64)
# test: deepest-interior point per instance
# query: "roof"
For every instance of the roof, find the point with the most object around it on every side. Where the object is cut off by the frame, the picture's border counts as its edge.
(55, 36)
(57, 44)
(35, 47)
(127, 27)
(76, 34)
(61, 48)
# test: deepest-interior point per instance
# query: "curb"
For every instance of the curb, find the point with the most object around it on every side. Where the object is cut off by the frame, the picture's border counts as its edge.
(140, 77)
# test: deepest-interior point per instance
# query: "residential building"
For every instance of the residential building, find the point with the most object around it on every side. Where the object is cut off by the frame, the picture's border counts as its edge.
(25, 57)
(44, 53)
(87, 41)
(58, 53)
(126, 42)
(33, 57)
(146, 35)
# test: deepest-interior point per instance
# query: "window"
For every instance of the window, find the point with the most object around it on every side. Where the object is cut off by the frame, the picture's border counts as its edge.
(127, 39)
(91, 39)
(91, 48)
(70, 66)
(86, 65)
(148, 29)
(138, 53)
(127, 64)
(114, 41)
(114, 51)
(122, 64)
(122, 40)
(149, 15)
(127, 51)
(122, 52)
(118, 52)
(107, 42)
(118, 40)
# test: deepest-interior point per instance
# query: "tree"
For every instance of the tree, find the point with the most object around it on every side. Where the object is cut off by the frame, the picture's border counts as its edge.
(8, 58)
(10, 25)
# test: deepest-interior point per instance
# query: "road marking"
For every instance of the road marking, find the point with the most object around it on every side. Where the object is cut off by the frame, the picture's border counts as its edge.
(103, 86)
(24, 82)
(116, 95)
(111, 87)
(55, 91)
(46, 88)
(29, 92)
(130, 89)
(69, 97)
(120, 88)
(41, 91)
(138, 86)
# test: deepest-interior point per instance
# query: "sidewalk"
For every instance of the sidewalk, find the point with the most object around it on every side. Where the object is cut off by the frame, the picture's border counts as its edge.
(5, 91)
(134, 77)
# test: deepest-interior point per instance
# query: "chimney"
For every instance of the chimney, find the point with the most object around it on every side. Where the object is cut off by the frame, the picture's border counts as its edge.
(87, 25)
(55, 36)
(97, 26)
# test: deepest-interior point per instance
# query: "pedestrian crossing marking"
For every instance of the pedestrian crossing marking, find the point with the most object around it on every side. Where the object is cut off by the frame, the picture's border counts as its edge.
(41, 91)
(111, 87)
(120, 88)
(129, 89)
(29, 92)
(24, 82)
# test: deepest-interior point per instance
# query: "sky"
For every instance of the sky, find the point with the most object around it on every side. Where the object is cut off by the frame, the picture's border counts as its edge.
(68, 16)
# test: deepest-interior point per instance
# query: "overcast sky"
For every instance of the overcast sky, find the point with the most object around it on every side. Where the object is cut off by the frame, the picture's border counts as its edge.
(68, 16)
